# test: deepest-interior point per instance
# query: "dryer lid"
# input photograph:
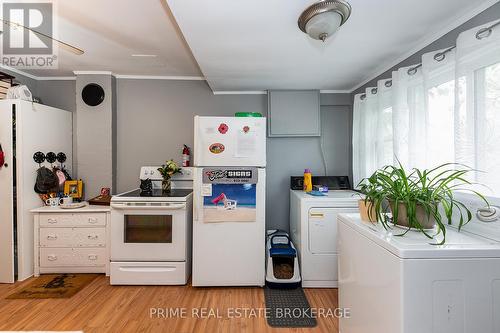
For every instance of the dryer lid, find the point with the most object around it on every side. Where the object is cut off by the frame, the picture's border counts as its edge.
(415, 245)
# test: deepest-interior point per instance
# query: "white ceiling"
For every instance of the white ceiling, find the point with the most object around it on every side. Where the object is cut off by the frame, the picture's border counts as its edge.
(256, 45)
(248, 45)
(111, 31)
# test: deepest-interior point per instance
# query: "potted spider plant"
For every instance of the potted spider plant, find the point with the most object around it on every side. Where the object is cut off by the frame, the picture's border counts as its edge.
(417, 198)
(368, 189)
(167, 170)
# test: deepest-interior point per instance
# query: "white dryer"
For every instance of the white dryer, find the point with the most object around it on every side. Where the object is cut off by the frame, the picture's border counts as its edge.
(403, 284)
(313, 228)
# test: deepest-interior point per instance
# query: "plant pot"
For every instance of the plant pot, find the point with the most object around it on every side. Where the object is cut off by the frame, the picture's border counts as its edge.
(367, 210)
(166, 185)
(427, 221)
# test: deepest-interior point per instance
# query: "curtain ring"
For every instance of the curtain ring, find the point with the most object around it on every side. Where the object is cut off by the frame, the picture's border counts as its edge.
(363, 97)
(388, 83)
(412, 71)
(483, 33)
(374, 91)
(439, 56)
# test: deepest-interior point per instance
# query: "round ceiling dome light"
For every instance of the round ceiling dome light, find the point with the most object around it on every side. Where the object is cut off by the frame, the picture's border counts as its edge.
(323, 18)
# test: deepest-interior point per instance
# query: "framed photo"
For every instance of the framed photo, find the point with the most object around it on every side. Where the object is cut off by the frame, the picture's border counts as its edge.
(105, 191)
(73, 188)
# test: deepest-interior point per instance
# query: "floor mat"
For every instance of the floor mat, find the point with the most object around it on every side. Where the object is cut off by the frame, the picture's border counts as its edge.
(54, 286)
(288, 308)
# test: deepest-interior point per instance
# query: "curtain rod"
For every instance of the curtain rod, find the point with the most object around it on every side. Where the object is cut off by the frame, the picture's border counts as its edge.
(480, 34)
(440, 56)
(413, 70)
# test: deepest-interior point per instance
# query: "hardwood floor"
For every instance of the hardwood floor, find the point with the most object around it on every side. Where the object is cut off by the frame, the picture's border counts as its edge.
(104, 308)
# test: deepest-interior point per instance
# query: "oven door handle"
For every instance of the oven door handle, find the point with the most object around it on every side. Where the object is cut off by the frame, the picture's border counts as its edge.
(148, 207)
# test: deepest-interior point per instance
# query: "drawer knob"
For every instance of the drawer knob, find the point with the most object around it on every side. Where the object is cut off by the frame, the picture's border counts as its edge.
(92, 220)
(92, 256)
(92, 237)
(51, 220)
(52, 257)
(51, 237)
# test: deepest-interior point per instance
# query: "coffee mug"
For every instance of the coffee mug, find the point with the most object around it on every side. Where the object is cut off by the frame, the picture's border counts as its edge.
(65, 201)
(52, 202)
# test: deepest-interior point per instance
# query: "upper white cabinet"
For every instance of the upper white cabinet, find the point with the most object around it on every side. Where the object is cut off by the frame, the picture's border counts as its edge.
(293, 113)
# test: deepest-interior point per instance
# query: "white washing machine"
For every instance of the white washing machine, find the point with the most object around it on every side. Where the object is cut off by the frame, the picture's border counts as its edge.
(403, 284)
(313, 228)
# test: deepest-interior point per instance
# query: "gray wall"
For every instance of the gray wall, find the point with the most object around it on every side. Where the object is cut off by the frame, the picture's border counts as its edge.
(58, 93)
(61, 94)
(488, 15)
(94, 136)
(155, 117)
(290, 156)
(55, 93)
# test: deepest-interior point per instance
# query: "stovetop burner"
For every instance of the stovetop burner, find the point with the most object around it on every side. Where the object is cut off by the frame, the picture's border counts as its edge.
(157, 193)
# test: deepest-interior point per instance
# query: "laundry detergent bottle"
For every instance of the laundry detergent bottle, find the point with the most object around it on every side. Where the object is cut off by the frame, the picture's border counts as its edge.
(308, 184)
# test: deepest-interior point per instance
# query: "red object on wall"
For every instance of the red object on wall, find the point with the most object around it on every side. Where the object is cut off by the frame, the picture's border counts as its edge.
(186, 156)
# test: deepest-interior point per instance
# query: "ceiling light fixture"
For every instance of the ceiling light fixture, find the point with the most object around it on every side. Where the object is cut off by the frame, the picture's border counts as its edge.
(323, 18)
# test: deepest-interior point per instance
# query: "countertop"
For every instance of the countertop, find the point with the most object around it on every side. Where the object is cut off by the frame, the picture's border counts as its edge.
(86, 209)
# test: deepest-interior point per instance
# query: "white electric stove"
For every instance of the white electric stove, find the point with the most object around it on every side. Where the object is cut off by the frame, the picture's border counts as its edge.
(151, 232)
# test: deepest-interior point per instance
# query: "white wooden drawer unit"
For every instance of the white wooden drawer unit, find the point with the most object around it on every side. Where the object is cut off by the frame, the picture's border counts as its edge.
(71, 241)
(73, 220)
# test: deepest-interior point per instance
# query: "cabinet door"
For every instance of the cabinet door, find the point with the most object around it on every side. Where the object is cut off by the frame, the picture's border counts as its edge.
(293, 113)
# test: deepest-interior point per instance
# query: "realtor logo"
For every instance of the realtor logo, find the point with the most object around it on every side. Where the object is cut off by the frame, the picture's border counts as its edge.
(27, 35)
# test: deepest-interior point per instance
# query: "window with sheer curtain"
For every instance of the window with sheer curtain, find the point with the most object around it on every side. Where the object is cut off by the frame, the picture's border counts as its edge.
(446, 109)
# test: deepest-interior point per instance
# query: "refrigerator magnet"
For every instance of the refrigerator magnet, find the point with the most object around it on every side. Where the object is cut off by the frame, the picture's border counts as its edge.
(223, 128)
(206, 190)
(216, 148)
(246, 129)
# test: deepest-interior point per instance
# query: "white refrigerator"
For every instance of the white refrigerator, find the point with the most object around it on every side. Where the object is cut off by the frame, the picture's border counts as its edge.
(25, 128)
(229, 201)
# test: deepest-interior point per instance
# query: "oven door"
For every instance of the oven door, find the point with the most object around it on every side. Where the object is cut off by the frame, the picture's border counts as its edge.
(142, 232)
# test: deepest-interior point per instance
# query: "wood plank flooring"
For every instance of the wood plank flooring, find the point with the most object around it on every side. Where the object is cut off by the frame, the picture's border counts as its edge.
(104, 308)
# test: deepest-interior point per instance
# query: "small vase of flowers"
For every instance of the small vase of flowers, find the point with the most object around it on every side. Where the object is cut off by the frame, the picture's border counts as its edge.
(167, 170)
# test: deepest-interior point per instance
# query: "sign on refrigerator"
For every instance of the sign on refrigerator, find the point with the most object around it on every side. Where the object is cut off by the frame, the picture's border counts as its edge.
(229, 194)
